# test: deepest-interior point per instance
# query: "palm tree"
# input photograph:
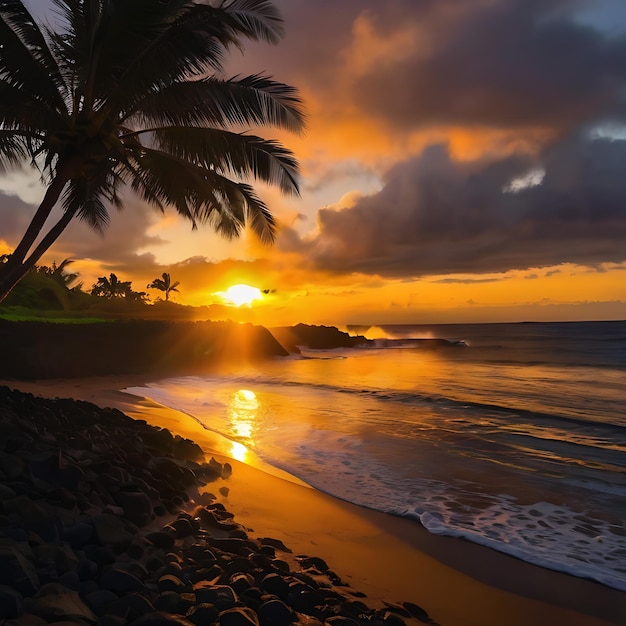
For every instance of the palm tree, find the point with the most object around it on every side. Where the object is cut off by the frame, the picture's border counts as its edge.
(58, 273)
(134, 92)
(164, 284)
(112, 287)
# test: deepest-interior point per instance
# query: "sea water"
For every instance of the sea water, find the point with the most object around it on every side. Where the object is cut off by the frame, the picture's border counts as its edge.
(512, 436)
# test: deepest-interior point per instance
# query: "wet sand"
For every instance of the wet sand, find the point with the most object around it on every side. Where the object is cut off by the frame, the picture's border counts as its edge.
(388, 558)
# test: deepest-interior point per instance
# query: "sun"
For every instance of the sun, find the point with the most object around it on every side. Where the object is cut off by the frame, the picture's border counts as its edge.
(240, 295)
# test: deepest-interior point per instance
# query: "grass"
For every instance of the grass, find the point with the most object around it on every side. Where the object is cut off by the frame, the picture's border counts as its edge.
(23, 314)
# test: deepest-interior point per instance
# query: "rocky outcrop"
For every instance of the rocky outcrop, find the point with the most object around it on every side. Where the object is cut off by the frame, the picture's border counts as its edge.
(35, 350)
(315, 338)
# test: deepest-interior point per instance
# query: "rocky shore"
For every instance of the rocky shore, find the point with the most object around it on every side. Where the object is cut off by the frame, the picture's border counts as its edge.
(107, 520)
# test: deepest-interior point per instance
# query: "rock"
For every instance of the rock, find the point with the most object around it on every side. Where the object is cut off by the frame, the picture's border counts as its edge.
(275, 543)
(132, 606)
(238, 616)
(169, 582)
(313, 562)
(17, 571)
(275, 584)
(161, 539)
(120, 581)
(78, 534)
(202, 614)
(35, 516)
(222, 596)
(182, 528)
(10, 602)
(110, 530)
(137, 506)
(159, 618)
(340, 620)
(417, 612)
(100, 600)
(53, 602)
(275, 613)
(174, 602)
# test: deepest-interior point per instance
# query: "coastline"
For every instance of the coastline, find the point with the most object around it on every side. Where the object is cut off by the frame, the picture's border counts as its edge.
(387, 558)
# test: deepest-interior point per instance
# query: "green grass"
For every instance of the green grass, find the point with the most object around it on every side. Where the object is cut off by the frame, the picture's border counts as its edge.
(23, 314)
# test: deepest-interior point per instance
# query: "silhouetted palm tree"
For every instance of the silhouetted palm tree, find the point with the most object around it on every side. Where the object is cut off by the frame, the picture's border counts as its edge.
(164, 284)
(58, 273)
(133, 92)
(111, 287)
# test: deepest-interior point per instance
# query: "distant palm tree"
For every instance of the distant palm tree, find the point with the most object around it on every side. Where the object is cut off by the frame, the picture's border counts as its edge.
(133, 92)
(164, 284)
(111, 287)
(58, 273)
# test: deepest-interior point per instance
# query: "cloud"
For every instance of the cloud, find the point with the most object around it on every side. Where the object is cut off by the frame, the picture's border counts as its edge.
(435, 215)
(504, 64)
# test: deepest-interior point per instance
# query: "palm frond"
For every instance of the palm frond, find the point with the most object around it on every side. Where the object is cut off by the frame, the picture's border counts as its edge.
(232, 154)
(25, 58)
(202, 195)
(255, 100)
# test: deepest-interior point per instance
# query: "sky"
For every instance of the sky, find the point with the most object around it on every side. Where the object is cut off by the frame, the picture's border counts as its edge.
(464, 161)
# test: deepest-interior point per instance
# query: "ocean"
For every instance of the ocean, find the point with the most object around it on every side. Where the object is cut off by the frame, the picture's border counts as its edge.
(512, 436)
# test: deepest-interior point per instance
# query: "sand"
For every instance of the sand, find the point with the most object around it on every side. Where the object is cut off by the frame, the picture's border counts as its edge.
(388, 558)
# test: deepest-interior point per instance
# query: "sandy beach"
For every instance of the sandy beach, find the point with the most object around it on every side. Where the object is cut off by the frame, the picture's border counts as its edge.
(387, 558)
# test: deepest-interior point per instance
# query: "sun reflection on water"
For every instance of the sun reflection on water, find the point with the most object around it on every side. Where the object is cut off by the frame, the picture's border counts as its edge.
(242, 414)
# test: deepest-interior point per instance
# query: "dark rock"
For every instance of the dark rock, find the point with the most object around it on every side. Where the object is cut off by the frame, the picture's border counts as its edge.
(17, 571)
(303, 598)
(169, 582)
(240, 582)
(276, 585)
(53, 602)
(417, 612)
(132, 606)
(100, 600)
(222, 596)
(234, 545)
(100, 555)
(313, 562)
(202, 614)
(161, 539)
(238, 616)
(340, 620)
(160, 618)
(392, 619)
(137, 506)
(35, 517)
(111, 530)
(10, 602)
(174, 602)
(120, 581)
(86, 569)
(275, 543)
(78, 534)
(275, 613)
(182, 528)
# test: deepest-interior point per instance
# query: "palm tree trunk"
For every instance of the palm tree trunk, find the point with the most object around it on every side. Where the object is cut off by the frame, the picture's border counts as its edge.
(39, 219)
(17, 266)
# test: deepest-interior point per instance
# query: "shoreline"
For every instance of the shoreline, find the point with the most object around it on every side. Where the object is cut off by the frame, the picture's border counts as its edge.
(386, 557)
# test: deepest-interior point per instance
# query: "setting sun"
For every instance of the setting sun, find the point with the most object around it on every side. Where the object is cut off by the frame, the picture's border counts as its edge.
(240, 295)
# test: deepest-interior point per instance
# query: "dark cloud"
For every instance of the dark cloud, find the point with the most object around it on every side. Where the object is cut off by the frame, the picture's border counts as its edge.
(506, 64)
(437, 216)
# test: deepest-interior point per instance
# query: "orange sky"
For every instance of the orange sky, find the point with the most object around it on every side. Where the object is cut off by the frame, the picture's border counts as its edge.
(425, 120)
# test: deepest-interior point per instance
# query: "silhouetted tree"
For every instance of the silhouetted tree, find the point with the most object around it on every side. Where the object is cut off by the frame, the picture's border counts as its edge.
(112, 287)
(58, 273)
(134, 92)
(164, 284)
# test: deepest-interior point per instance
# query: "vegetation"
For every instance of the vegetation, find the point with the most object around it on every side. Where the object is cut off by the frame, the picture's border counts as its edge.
(134, 92)
(164, 284)
(112, 287)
